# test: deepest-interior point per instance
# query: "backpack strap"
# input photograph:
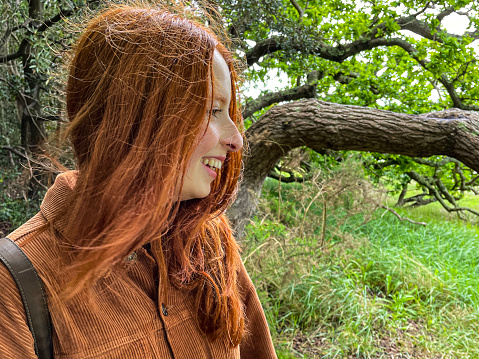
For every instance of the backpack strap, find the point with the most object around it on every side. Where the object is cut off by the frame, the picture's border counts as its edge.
(33, 295)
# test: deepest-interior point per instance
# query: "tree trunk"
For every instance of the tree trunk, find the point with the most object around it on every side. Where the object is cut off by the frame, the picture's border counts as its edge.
(32, 130)
(321, 125)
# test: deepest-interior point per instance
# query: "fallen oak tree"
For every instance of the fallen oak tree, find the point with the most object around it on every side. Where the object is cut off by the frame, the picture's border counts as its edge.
(322, 125)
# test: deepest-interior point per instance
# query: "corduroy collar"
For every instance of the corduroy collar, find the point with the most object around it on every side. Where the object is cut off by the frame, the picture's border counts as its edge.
(56, 200)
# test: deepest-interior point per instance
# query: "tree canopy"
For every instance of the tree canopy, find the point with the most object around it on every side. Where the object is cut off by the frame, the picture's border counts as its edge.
(392, 55)
(384, 55)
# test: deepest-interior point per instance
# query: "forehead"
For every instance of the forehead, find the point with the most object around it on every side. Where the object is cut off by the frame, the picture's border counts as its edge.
(222, 78)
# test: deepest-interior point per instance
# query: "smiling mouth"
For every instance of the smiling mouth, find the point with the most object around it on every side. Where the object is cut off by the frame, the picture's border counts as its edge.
(212, 163)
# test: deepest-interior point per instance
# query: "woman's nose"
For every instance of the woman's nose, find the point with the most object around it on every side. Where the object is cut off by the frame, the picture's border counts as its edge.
(231, 138)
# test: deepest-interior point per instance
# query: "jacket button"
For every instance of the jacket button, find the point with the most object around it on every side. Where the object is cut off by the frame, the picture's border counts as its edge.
(132, 257)
(164, 310)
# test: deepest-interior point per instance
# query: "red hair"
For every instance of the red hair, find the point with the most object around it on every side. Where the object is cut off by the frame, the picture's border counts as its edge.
(137, 97)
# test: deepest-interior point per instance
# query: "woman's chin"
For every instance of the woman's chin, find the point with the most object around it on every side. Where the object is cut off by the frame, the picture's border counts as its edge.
(197, 194)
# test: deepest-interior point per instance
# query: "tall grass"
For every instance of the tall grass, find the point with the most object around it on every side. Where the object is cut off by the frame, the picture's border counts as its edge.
(357, 282)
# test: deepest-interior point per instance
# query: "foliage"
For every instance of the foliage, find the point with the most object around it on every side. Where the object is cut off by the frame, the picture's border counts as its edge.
(376, 288)
(33, 36)
(316, 36)
(15, 209)
(437, 178)
(396, 56)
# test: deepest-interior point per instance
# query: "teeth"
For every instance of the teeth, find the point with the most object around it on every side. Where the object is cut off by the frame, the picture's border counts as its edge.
(212, 162)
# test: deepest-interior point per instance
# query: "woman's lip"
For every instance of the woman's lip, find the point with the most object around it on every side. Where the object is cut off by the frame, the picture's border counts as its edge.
(210, 171)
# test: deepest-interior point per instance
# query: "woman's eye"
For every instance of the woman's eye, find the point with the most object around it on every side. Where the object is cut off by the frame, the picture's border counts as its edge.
(215, 112)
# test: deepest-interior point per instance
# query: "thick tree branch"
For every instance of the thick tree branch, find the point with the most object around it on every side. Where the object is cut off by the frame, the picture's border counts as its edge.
(417, 200)
(333, 53)
(15, 55)
(301, 92)
(318, 124)
(446, 12)
(53, 20)
(264, 47)
(321, 125)
(306, 91)
(40, 27)
(298, 9)
(423, 29)
(367, 42)
(370, 41)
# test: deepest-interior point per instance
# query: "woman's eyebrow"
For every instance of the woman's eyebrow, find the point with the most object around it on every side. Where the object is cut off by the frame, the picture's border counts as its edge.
(219, 97)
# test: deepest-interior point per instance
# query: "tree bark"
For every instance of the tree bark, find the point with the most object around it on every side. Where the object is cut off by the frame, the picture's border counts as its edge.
(32, 131)
(321, 125)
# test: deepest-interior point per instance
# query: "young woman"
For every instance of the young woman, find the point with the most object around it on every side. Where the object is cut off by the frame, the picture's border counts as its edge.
(134, 250)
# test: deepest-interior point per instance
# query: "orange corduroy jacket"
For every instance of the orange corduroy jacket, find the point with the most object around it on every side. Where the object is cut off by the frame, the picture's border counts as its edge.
(123, 318)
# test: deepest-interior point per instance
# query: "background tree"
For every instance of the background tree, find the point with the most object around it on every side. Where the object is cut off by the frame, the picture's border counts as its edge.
(32, 36)
(395, 56)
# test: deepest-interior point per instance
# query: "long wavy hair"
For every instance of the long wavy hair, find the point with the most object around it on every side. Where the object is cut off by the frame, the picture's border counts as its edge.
(137, 97)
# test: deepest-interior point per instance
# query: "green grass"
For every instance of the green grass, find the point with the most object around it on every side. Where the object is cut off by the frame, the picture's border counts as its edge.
(378, 288)
(435, 211)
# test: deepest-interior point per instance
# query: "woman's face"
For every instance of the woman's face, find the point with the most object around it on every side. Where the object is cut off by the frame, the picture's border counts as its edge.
(220, 137)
